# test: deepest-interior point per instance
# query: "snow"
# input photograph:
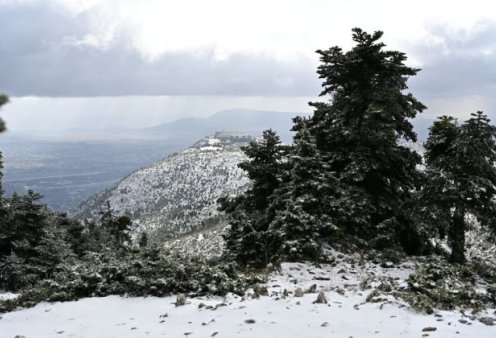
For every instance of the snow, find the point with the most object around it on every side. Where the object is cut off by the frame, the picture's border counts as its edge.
(347, 314)
(210, 148)
(144, 317)
(176, 195)
(8, 295)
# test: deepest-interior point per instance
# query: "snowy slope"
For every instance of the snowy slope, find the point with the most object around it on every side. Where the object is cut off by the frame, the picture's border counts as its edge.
(175, 195)
(346, 314)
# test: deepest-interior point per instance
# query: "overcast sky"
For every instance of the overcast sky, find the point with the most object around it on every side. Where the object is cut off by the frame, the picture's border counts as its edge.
(130, 63)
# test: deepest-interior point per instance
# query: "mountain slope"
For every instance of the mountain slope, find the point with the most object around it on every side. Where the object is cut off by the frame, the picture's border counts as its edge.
(176, 195)
(251, 121)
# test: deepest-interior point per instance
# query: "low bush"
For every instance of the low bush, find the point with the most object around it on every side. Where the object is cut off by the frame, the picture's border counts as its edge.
(145, 272)
(439, 285)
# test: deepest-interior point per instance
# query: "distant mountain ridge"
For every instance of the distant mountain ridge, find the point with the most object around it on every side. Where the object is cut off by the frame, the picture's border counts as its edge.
(254, 122)
(247, 120)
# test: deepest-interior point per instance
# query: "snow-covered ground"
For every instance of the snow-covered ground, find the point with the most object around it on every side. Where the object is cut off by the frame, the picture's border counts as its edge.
(278, 314)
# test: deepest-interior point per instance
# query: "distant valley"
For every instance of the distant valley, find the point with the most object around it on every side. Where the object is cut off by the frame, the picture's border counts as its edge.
(69, 167)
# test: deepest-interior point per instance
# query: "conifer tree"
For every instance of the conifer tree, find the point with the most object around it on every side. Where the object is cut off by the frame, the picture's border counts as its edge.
(32, 242)
(143, 240)
(115, 229)
(300, 220)
(3, 100)
(461, 175)
(357, 136)
(249, 239)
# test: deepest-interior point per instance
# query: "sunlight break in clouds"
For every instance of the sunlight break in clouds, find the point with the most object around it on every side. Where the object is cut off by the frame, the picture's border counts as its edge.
(283, 29)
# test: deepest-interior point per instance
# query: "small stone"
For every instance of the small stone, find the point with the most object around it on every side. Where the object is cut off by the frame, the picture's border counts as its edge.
(201, 305)
(322, 278)
(429, 329)
(324, 324)
(321, 298)
(312, 289)
(488, 321)
(219, 305)
(387, 265)
(260, 290)
(214, 334)
(180, 299)
(19, 336)
(250, 321)
(298, 292)
(187, 333)
(463, 321)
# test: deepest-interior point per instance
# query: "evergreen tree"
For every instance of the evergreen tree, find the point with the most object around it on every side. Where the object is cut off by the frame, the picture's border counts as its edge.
(461, 175)
(300, 219)
(77, 236)
(3, 100)
(115, 230)
(24, 224)
(249, 239)
(357, 138)
(33, 242)
(143, 241)
(52, 250)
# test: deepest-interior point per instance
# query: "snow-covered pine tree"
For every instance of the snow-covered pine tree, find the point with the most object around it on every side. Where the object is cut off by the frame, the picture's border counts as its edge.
(114, 229)
(357, 136)
(300, 220)
(143, 240)
(461, 175)
(32, 242)
(249, 240)
(51, 251)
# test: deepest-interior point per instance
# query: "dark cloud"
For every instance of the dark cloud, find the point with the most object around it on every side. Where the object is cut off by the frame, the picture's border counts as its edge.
(34, 61)
(463, 65)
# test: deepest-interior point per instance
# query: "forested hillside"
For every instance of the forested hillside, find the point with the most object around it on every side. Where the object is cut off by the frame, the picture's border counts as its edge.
(175, 195)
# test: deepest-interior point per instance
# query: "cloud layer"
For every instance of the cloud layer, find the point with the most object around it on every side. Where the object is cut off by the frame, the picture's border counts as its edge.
(109, 48)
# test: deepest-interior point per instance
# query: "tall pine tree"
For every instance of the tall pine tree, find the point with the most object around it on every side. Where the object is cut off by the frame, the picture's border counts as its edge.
(357, 134)
(461, 176)
(301, 204)
(249, 239)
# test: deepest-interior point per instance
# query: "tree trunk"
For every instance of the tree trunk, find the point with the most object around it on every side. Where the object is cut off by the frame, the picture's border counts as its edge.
(458, 237)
